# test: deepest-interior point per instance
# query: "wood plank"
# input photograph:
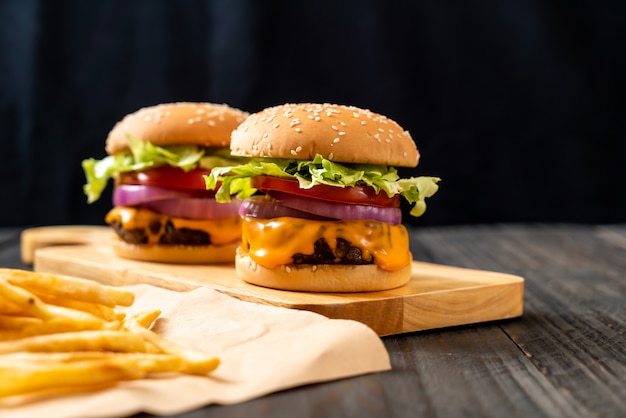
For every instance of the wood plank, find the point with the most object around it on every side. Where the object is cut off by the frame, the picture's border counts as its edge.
(572, 331)
(437, 296)
(471, 368)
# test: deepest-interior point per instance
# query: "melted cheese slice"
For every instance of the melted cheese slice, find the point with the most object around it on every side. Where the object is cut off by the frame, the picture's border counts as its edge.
(273, 242)
(221, 231)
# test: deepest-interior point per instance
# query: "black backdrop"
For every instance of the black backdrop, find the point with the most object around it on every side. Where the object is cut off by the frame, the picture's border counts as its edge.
(517, 105)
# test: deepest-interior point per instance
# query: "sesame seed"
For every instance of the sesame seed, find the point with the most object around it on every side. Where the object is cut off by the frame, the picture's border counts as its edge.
(341, 133)
(405, 154)
(298, 148)
(191, 121)
(330, 156)
(277, 125)
(388, 140)
(335, 140)
(294, 152)
(334, 128)
(211, 123)
(363, 122)
(298, 130)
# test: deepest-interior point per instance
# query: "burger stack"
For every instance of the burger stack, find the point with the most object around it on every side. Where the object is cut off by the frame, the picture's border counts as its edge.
(315, 188)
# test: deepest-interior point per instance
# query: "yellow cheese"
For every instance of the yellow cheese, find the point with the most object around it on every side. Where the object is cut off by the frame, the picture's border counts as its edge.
(273, 242)
(221, 231)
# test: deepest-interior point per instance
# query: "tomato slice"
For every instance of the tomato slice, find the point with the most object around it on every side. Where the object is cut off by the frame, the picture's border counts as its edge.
(167, 177)
(362, 195)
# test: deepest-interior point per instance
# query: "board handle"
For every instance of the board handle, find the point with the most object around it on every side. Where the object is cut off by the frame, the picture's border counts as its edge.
(33, 238)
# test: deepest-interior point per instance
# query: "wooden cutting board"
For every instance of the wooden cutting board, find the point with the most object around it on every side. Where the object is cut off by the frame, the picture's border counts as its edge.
(437, 296)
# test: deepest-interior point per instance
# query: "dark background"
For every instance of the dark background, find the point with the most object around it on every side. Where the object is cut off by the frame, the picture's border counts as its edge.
(517, 105)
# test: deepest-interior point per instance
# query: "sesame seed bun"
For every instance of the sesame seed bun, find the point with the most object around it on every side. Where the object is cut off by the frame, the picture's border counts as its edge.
(320, 277)
(169, 124)
(184, 123)
(344, 134)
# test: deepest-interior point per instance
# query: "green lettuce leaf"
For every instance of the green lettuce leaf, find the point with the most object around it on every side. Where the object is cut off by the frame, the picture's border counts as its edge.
(236, 180)
(143, 155)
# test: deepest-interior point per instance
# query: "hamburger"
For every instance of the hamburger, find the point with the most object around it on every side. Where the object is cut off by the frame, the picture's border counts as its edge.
(162, 210)
(321, 198)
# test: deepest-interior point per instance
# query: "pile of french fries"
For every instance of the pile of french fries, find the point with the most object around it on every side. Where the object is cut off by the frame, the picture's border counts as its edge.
(64, 334)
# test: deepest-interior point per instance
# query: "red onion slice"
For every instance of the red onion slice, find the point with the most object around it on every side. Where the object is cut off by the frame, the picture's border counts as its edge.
(260, 207)
(392, 216)
(135, 194)
(195, 208)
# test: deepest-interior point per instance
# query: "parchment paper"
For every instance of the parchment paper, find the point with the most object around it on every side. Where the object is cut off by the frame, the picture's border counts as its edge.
(262, 348)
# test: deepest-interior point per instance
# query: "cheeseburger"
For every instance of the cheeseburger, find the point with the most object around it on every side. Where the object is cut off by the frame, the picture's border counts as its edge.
(321, 198)
(162, 209)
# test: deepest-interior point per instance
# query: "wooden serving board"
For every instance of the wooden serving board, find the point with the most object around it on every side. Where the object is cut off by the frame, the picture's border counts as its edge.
(437, 296)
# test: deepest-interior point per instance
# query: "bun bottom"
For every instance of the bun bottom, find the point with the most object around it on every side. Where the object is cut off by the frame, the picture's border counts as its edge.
(178, 254)
(320, 277)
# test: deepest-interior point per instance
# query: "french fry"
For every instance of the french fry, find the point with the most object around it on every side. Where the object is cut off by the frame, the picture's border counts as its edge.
(70, 287)
(23, 300)
(31, 305)
(62, 335)
(9, 308)
(60, 325)
(25, 380)
(77, 341)
(14, 327)
(105, 312)
(145, 318)
(11, 322)
(32, 372)
(6, 335)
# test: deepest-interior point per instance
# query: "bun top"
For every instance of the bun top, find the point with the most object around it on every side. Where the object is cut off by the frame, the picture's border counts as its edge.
(339, 133)
(204, 124)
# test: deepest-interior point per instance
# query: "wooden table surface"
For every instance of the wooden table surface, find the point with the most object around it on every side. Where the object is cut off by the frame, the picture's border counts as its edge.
(565, 357)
